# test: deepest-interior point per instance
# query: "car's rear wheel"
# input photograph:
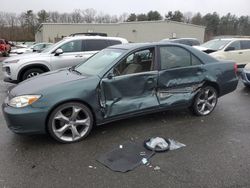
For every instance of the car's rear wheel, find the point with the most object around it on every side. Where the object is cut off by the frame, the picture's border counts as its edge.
(70, 122)
(31, 73)
(205, 101)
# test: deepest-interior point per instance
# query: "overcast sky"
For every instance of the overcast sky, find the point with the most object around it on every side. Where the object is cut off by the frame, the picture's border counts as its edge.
(238, 7)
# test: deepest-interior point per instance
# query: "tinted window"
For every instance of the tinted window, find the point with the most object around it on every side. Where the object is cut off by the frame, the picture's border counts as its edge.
(194, 42)
(72, 46)
(245, 44)
(2, 42)
(114, 42)
(235, 45)
(174, 57)
(95, 45)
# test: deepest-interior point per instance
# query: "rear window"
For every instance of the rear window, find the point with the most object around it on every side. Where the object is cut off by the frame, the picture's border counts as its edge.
(114, 42)
(245, 44)
(95, 45)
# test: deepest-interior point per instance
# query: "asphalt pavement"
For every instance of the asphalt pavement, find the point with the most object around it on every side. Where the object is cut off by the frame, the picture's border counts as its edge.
(217, 152)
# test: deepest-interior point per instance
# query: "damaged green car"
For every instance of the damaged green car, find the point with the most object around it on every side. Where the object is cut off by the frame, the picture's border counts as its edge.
(118, 82)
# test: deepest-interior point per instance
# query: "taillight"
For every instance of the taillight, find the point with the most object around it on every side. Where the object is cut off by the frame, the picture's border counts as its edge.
(235, 68)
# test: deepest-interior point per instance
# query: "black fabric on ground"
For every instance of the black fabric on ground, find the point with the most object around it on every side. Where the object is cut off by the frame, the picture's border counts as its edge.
(126, 158)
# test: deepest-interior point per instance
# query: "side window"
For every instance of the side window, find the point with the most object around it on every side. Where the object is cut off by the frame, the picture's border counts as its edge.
(235, 45)
(72, 46)
(174, 57)
(140, 61)
(95, 45)
(114, 42)
(245, 44)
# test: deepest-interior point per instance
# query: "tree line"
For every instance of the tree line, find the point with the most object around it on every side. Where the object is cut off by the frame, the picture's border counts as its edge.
(22, 27)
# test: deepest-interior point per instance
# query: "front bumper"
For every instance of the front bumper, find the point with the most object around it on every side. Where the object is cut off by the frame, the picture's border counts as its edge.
(7, 75)
(27, 120)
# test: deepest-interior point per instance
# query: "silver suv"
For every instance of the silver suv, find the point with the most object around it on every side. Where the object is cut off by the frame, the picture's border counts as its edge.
(66, 53)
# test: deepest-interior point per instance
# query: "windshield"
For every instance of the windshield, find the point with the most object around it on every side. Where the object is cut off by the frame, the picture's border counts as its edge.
(97, 63)
(216, 44)
(52, 46)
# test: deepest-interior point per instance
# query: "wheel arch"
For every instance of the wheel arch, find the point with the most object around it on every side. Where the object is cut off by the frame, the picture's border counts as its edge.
(69, 101)
(214, 85)
(31, 66)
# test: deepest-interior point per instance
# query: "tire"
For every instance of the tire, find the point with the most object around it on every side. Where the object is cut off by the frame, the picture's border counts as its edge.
(205, 101)
(247, 85)
(31, 73)
(5, 54)
(70, 122)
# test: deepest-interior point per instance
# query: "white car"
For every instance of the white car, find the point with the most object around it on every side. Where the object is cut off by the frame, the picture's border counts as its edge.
(236, 49)
(68, 52)
(34, 48)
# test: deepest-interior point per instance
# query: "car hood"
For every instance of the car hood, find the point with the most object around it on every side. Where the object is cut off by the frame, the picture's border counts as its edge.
(204, 49)
(25, 56)
(47, 81)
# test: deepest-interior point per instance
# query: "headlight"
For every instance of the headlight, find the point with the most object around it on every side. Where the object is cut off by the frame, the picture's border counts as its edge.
(22, 101)
(14, 61)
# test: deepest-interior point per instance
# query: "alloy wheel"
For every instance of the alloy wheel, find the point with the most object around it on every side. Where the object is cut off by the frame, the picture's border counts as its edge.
(70, 122)
(206, 101)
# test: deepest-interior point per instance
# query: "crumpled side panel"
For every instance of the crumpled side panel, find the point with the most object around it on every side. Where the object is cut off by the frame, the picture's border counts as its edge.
(179, 86)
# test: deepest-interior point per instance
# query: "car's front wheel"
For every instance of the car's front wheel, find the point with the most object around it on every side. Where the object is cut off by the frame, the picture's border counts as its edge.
(205, 101)
(31, 73)
(70, 122)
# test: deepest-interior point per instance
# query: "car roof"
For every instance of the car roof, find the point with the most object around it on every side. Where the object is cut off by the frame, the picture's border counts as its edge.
(134, 46)
(95, 37)
(231, 39)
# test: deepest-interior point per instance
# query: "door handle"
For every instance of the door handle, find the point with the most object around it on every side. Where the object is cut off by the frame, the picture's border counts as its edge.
(78, 56)
(240, 52)
(150, 81)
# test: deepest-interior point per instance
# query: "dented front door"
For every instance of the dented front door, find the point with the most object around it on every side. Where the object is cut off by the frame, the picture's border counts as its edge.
(129, 93)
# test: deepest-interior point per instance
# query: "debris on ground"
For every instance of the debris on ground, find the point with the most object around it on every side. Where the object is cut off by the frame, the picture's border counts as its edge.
(157, 168)
(130, 155)
(125, 158)
(93, 167)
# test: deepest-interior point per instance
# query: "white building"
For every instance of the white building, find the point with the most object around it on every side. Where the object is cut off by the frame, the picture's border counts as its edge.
(146, 31)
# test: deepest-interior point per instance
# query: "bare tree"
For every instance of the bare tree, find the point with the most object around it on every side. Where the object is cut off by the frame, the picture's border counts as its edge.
(88, 15)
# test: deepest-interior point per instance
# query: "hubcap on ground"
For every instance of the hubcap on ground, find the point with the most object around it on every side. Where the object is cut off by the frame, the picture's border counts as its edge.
(71, 123)
(206, 101)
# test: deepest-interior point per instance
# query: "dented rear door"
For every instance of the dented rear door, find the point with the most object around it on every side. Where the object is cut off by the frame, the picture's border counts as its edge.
(180, 77)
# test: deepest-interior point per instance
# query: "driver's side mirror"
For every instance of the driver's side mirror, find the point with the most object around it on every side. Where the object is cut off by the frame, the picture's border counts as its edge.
(58, 52)
(230, 48)
(110, 75)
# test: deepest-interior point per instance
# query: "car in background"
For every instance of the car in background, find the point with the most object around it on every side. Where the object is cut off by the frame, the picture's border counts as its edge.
(186, 41)
(66, 53)
(38, 47)
(245, 75)
(236, 49)
(119, 82)
(5, 47)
